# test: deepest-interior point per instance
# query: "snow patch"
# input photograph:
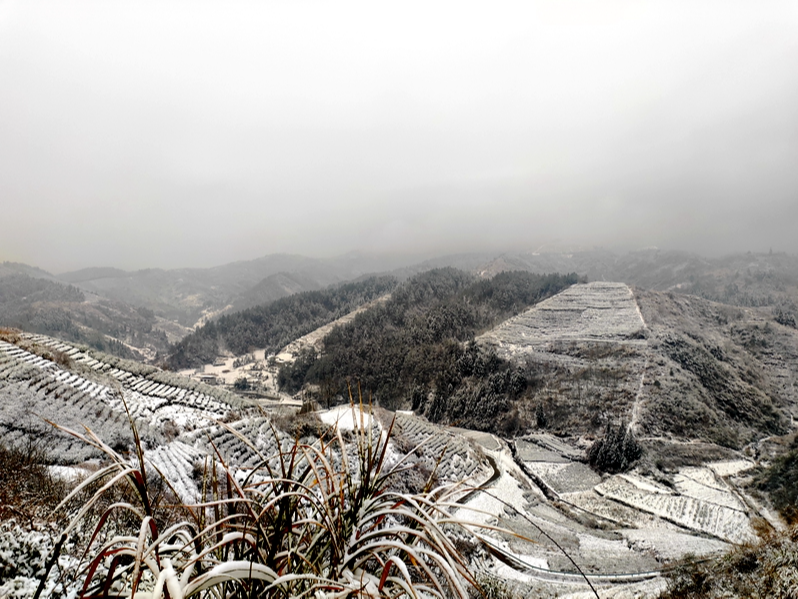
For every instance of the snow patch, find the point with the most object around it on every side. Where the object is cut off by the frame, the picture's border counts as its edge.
(730, 467)
(347, 418)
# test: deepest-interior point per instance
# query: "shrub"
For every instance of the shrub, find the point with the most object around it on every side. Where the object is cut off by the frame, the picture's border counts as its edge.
(26, 485)
(616, 451)
(768, 568)
(780, 481)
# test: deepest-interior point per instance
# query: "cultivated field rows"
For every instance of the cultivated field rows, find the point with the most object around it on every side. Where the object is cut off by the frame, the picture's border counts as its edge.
(720, 521)
(147, 400)
(621, 537)
(599, 312)
(641, 522)
(700, 502)
(451, 456)
(82, 391)
(183, 430)
(177, 461)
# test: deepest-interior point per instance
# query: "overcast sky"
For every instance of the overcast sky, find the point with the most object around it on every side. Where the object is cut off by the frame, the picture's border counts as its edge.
(170, 134)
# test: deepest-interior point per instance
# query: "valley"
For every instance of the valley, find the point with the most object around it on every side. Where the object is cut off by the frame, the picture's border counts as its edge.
(595, 354)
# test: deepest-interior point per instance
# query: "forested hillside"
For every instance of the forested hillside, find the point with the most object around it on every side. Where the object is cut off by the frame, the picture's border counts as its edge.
(273, 325)
(413, 350)
(41, 305)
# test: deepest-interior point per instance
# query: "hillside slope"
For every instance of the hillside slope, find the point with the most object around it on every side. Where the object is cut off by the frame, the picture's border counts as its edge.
(44, 305)
(752, 280)
(674, 366)
(621, 530)
(414, 351)
(274, 325)
(191, 295)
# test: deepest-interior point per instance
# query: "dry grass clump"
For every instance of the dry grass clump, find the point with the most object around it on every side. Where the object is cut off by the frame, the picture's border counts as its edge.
(768, 568)
(9, 335)
(27, 489)
(314, 520)
(301, 425)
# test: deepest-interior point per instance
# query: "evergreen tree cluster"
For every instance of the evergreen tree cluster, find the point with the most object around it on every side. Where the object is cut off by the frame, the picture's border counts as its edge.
(416, 350)
(616, 451)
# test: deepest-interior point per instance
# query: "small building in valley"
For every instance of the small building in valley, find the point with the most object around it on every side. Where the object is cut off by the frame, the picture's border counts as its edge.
(209, 379)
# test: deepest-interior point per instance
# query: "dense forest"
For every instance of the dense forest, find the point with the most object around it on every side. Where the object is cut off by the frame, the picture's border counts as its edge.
(416, 350)
(274, 325)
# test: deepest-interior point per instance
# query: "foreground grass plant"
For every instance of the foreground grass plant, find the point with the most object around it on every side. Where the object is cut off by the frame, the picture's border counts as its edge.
(315, 520)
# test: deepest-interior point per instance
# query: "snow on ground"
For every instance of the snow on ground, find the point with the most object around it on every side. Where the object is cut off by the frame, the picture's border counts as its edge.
(645, 485)
(68, 473)
(482, 508)
(702, 484)
(486, 506)
(671, 544)
(534, 561)
(696, 514)
(608, 509)
(646, 588)
(730, 467)
(546, 469)
(176, 461)
(505, 572)
(567, 477)
(184, 417)
(652, 520)
(347, 418)
(594, 549)
(596, 311)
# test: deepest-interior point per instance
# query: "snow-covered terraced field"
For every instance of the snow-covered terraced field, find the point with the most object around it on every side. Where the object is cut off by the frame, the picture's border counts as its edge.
(599, 311)
(566, 477)
(695, 513)
(243, 444)
(455, 459)
(66, 385)
(703, 484)
(176, 461)
(151, 401)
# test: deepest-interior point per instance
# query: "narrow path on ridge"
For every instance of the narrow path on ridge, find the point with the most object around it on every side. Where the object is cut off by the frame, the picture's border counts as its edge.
(634, 421)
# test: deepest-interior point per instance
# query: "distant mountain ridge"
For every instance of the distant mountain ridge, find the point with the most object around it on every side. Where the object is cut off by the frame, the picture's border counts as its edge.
(146, 310)
(17, 268)
(92, 273)
(188, 295)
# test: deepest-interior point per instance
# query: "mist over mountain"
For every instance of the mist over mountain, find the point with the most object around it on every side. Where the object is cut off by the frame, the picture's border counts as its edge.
(551, 245)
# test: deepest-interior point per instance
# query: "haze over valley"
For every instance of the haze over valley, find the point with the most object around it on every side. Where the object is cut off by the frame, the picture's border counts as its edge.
(420, 300)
